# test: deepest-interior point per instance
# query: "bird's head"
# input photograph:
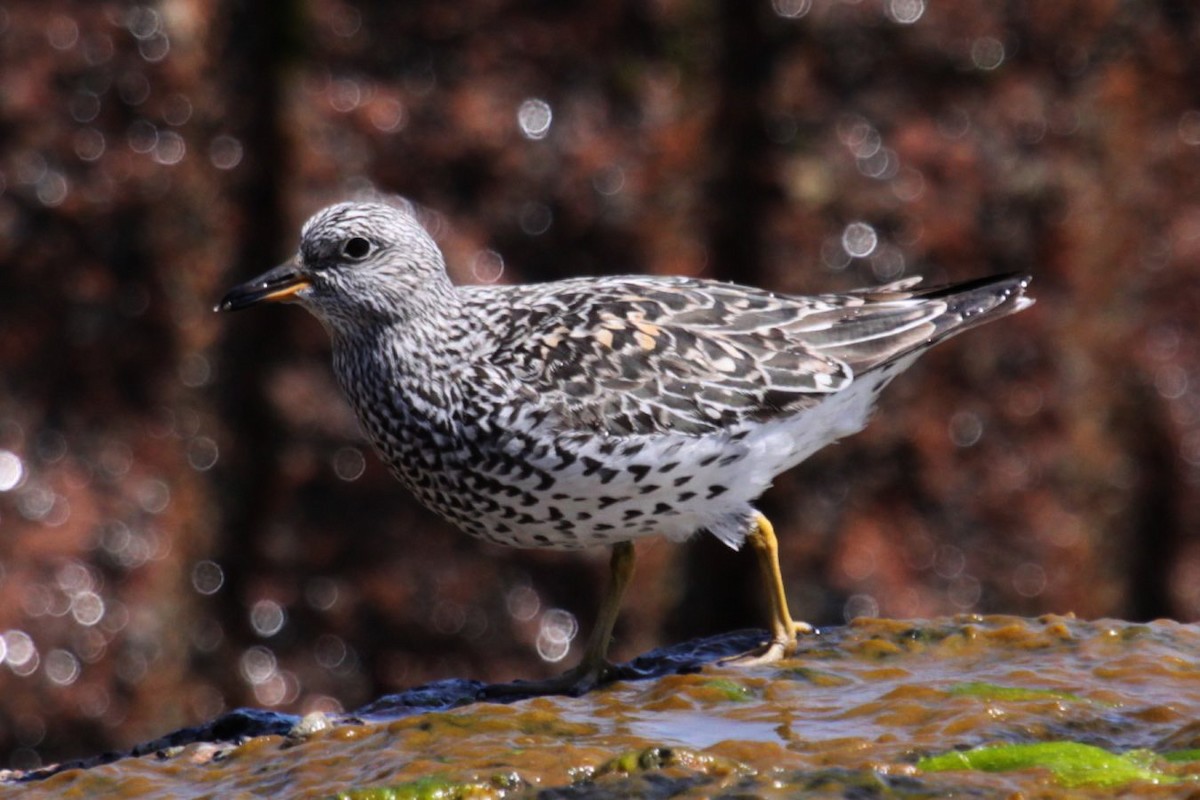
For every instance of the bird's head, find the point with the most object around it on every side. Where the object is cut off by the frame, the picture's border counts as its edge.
(357, 263)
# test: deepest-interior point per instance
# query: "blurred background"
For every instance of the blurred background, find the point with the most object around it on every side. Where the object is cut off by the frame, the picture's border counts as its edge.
(190, 520)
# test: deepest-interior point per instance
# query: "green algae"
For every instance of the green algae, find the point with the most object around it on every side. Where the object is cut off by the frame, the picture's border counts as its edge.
(435, 787)
(729, 689)
(1179, 756)
(993, 691)
(1073, 764)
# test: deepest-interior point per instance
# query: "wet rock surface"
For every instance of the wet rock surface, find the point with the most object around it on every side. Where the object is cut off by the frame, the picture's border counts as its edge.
(887, 708)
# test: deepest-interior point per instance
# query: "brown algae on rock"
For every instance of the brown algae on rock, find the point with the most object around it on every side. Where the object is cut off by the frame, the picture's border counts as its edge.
(437, 788)
(979, 705)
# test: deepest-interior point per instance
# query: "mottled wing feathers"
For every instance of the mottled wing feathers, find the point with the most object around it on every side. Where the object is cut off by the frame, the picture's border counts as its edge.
(651, 355)
(639, 355)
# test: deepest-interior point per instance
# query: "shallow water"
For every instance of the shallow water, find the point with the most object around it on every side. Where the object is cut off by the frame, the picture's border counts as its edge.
(855, 710)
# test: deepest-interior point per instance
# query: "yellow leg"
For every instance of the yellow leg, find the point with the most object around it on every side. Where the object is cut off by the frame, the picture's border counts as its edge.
(595, 657)
(594, 667)
(783, 630)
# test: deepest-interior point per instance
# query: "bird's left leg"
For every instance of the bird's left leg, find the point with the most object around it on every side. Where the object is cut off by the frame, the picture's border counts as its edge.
(783, 630)
(595, 668)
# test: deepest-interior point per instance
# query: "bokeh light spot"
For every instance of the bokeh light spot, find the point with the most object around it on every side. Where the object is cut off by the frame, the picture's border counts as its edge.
(62, 667)
(169, 148)
(87, 608)
(791, 9)
(535, 218)
(487, 266)
(20, 653)
(534, 116)
(154, 48)
(225, 152)
(207, 577)
(1029, 579)
(257, 665)
(860, 605)
(987, 53)
(1189, 127)
(89, 144)
(905, 12)
(142, 136)
(558, 627)
(859, 240)
(966, 428)
(349, 463)
(12, 471)
(522, 602)
(267, 618)
(62, 33)
(330, 651)
(321, 593)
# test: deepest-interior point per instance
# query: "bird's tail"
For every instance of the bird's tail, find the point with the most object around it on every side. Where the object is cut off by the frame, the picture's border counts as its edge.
(885, 323)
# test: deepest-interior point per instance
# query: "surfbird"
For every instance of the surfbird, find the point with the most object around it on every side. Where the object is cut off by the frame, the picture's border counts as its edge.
(598, 411)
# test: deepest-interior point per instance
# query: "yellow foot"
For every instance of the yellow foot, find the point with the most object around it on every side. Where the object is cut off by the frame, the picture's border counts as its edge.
(573, 682)
(773, 651)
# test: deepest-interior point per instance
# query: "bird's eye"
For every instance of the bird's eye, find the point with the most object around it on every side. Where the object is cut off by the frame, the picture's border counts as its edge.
(356, 248)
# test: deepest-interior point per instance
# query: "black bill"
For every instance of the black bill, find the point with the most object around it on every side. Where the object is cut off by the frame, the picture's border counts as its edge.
(274, 286)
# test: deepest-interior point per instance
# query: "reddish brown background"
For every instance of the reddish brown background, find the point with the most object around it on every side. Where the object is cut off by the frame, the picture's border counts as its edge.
(152, 155)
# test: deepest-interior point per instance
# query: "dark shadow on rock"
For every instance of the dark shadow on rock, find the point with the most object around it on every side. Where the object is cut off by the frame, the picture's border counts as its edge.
(233, 728)
(237, 726)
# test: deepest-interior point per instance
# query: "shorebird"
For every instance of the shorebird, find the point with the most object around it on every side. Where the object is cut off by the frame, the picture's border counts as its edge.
(598, 411)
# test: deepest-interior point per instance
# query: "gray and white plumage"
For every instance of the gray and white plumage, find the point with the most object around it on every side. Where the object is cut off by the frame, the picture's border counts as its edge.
(598, 410)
